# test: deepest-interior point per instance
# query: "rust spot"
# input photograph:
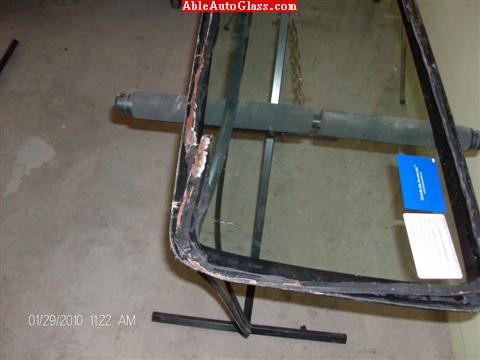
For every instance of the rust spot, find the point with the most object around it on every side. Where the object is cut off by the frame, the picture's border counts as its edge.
(190, 133)
(185, 201)
(201, 157)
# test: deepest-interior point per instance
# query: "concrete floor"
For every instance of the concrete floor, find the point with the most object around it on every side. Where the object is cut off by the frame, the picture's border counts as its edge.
(85, 199)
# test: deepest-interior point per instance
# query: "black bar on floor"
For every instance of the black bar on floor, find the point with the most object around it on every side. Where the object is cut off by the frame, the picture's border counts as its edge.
(277, 331)
(8, 54)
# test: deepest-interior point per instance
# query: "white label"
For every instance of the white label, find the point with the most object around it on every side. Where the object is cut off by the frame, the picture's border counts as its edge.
(432, 246)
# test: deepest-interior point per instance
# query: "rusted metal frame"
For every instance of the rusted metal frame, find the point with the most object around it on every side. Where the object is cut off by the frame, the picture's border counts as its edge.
(193, 148)
(188, 216)
(460, 189)
(193, 154)
(197, 177)
(217, 167)
(241, 269)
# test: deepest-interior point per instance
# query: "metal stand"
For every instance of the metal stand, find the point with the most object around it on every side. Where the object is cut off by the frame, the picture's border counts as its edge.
(242, 318)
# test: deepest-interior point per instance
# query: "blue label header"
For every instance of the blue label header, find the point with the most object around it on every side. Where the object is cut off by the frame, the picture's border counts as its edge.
(421, 185)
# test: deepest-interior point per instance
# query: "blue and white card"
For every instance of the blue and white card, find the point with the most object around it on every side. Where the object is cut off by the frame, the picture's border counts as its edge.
(421, 185)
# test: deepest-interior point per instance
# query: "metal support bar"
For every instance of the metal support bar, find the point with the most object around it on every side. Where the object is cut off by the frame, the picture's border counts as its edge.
(262, 196)
(218, 233)
(231, 302)
(277, 331)
(261, 207)
(260, 216)
(279, 58)
(218, 211)
(231, 103)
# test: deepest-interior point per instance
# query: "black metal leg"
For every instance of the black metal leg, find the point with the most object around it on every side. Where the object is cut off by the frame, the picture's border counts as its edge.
(231, 302)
